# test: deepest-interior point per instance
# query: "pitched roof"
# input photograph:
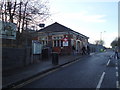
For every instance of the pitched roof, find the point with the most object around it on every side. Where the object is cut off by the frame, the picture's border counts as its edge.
(56, 27)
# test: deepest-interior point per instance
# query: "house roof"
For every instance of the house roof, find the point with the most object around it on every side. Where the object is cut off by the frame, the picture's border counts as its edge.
(56, 27)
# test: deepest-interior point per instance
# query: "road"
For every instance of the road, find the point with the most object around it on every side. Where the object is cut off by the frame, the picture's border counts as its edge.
(93, 71)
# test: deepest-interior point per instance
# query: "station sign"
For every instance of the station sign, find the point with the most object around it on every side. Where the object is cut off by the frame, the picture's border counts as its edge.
(65, 41)
(7, 30)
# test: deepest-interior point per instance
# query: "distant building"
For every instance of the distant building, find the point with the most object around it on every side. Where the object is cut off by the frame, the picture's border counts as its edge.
(96, 48)
(61, 38)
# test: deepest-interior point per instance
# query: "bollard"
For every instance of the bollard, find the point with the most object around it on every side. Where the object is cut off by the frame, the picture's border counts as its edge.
(54, 58)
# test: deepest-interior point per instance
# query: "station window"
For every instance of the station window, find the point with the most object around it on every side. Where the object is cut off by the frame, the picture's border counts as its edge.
(55, 43)
(58, 43)
(61, 43)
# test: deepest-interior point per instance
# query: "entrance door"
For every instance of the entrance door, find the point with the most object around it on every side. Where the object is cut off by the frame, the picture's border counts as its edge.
(78, 46)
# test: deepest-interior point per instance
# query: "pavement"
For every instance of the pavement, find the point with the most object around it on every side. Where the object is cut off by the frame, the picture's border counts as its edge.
(14, 77)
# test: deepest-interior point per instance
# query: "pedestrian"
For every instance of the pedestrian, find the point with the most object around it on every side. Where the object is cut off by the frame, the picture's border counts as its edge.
(73, 49)
(116, 52)
(88, 50)
(83, 50)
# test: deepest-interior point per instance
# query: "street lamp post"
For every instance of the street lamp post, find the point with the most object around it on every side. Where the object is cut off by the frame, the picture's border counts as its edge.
(101, 36)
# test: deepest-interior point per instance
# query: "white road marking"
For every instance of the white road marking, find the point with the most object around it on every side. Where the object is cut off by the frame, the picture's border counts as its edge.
(92, 54)
(117, 84)
(100, 81)
(116, 68)
(117, 74)
(116, 61)
(108, 62)
(111, 56)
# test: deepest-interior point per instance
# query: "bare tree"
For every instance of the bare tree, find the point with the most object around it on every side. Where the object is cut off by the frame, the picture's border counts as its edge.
(19, 11)
(115, 42)
(24, 13)
(37, 12)
(2, 11)
(99, 42)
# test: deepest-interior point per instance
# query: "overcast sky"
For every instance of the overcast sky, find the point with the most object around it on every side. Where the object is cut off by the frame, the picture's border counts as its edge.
(89, 17)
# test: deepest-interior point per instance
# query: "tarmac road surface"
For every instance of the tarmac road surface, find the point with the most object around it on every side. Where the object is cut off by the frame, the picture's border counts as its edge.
(94, 71)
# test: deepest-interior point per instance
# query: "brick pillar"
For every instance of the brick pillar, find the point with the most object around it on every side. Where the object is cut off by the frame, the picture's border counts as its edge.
(50, 41)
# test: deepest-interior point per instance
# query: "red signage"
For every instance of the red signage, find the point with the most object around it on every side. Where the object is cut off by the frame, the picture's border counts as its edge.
(65, 39)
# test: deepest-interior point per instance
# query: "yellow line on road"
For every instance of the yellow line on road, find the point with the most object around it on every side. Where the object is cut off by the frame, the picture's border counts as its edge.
(35, 78)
